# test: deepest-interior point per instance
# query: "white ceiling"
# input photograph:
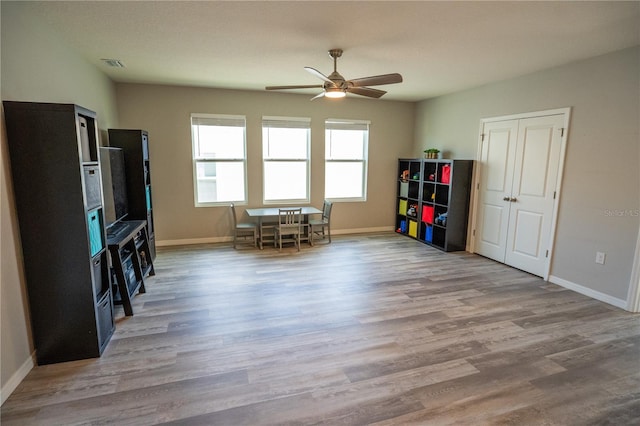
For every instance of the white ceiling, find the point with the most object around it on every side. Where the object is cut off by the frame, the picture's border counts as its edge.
(438, 47)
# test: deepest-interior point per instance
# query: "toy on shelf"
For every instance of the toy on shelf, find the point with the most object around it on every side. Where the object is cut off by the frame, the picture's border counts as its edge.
(441, 219)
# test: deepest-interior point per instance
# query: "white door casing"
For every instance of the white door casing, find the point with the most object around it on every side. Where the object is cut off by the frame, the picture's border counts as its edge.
(521, 164)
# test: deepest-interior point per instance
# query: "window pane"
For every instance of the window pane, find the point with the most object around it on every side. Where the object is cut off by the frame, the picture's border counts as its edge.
(346, 159)
(206, 170)
(284, 180)
(219, 141)
(284, 143)
(206, 182)
(220, 181)
(344, 180)
(344, 144)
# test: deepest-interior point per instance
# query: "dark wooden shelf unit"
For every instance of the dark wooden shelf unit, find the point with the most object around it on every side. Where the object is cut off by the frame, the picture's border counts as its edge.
(135, 144)
(54, 156)
(432, 205)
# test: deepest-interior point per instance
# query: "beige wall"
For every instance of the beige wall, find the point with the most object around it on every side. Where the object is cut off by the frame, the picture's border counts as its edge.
(36, 66)
(165, 111)
(601, 171)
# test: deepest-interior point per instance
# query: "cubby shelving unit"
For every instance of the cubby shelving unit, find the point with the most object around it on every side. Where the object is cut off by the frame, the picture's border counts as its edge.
(433, 201)
(55, 166)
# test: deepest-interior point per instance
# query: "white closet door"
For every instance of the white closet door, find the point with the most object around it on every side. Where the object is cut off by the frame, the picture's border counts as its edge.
(520, 161)
(497, 163)
(532, 195)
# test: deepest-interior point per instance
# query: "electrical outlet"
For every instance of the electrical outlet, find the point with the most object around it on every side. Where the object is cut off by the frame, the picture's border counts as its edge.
(600, 257)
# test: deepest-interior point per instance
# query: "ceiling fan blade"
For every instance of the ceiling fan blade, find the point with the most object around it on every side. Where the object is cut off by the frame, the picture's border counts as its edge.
(376, 80)
(319, 95)
(318, 74)
(308, 86)
(366, 91)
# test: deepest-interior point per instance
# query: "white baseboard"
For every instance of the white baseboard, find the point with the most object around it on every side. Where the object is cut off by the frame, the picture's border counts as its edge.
(190, 241)
(618, 303)
(362, 230)
(16, 378)
(211, 240)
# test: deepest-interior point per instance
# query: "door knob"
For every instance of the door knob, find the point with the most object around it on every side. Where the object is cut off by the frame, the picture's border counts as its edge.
(506, 199)
(513, 200)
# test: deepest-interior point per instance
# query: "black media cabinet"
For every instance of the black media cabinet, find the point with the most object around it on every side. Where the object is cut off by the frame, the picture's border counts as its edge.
(131, 261)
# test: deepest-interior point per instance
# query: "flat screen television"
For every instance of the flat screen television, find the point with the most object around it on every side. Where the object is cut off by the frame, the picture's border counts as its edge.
(114, 188)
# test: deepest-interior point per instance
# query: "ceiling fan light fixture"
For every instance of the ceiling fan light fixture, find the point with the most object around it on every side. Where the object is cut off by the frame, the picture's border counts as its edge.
(335, 93)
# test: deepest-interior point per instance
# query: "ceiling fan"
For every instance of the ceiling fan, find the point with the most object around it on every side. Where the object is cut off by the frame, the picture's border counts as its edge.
(335, 86)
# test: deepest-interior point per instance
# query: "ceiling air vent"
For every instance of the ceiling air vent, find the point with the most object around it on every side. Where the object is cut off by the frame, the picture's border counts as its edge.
(116, 63)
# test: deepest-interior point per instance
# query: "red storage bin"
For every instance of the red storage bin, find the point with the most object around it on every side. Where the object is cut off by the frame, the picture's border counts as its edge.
(427, 214)
(446, 173)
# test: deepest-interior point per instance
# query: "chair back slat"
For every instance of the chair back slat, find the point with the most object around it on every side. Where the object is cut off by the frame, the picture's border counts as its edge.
(290, 216)
(289, 223)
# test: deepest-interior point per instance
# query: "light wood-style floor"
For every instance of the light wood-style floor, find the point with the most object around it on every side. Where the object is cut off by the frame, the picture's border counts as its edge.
(370, 329)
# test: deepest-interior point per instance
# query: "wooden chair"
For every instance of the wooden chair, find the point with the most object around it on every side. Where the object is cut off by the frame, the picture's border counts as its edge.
(317, 226)
(243, 230)
(289, 225)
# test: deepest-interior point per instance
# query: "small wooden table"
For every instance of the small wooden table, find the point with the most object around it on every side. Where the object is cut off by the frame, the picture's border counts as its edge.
(126, 247)
(271, 212)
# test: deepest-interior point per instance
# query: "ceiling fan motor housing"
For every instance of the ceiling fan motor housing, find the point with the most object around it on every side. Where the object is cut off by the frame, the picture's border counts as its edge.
(338, 81)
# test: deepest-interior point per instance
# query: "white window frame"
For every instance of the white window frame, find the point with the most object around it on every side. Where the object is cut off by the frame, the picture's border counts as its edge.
(345, 124)
(221, 119)
(287, 122)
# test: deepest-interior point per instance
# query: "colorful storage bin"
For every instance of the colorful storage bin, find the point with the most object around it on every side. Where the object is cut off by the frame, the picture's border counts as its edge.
(427, 214)
(402, 207)
(428, 234)
(94, 219)
(404, 189)
(446, 173)
(413, 228)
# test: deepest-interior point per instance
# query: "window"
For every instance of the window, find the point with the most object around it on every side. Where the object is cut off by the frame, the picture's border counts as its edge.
(285, 154)
(219, 159)
(345, 170)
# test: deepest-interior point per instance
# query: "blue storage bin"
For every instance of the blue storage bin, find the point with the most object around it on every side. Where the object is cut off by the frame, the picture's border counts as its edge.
(148, 194)
(94, 220)
(428, 235)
